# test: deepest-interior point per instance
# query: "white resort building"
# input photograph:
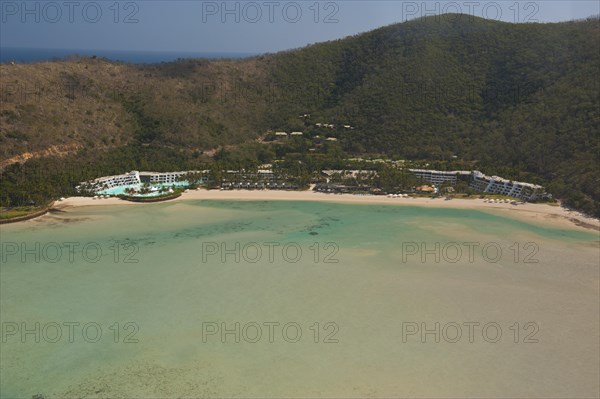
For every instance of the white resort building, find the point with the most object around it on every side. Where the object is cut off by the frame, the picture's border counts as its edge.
(166, 177)
(483, 183)
(440, 177)
(498, 185)
(135, 177)
(106, 182)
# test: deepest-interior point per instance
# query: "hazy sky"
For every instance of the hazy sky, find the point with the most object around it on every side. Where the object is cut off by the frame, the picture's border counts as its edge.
(238, 26)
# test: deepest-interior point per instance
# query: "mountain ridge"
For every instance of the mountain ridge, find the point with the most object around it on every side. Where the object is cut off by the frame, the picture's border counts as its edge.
(516, 98)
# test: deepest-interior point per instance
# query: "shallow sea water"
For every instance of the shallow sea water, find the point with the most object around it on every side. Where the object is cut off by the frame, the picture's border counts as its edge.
(330, 300)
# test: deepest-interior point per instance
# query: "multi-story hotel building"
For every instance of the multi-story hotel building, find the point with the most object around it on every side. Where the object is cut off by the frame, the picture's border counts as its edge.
(106, 182)
(498, 185)
(438, 176)
(166, 177)
(135, 177)
(483, 183)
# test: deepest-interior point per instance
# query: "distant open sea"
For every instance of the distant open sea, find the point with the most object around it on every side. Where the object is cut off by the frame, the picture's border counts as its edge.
(30, 55)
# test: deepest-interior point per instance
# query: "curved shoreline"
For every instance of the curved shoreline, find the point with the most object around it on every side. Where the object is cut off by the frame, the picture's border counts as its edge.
(28, 217)
(150, 200)
(551, 216)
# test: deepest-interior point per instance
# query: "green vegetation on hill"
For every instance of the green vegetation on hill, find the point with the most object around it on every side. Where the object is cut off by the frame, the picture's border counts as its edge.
(518, 100)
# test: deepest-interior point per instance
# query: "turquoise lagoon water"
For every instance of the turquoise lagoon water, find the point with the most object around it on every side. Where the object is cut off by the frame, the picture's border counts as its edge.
(347, 282)
(123, 189)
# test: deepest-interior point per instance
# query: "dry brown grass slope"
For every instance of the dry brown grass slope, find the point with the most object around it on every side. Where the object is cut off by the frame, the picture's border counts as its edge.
(95, 103)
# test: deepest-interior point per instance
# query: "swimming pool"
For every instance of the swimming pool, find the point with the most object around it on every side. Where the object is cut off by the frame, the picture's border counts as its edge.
(122, 189)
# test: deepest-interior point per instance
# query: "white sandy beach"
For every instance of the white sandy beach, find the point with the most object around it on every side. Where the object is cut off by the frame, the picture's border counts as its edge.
(556, 216)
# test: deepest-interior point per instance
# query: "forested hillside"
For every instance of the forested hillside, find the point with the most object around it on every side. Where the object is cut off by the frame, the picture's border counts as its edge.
(516, 98)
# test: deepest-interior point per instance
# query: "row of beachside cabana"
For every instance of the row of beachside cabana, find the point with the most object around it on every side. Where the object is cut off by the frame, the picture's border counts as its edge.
(498, 201)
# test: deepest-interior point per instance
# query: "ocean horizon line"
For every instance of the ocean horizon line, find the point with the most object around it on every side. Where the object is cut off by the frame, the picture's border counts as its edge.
(27, 55)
